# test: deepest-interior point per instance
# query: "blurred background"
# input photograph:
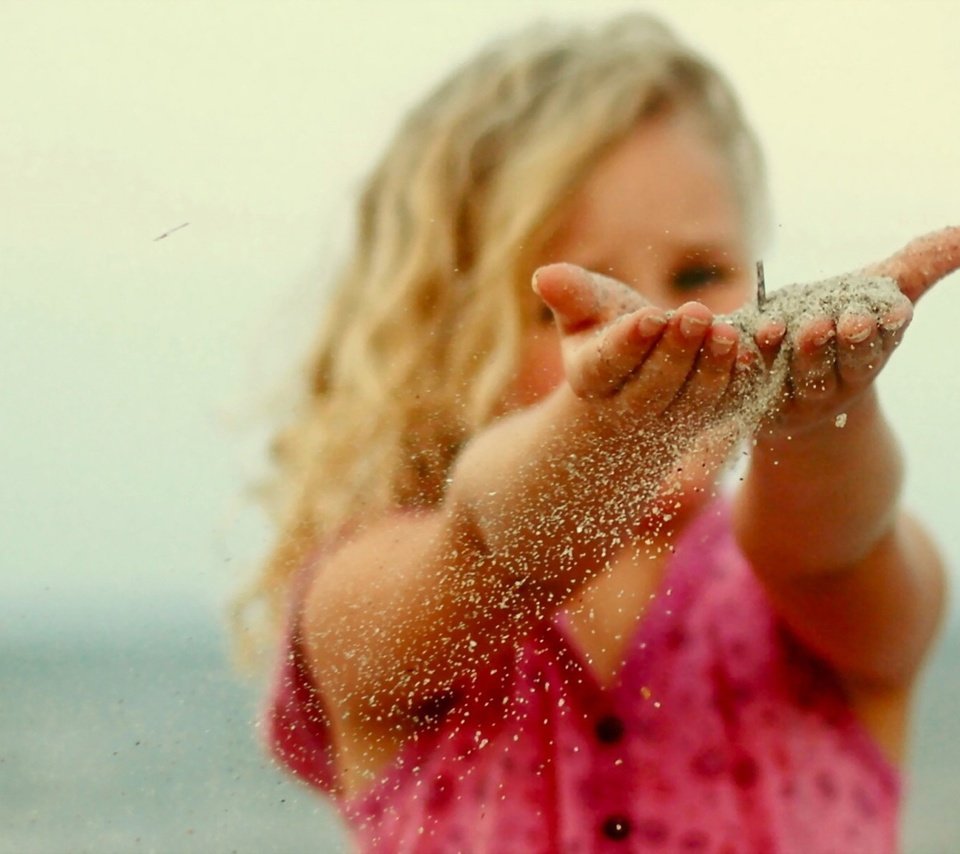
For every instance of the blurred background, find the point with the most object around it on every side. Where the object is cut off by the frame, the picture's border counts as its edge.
(141, 373)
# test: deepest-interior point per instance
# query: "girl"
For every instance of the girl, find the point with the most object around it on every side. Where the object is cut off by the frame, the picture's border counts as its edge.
(517, 617)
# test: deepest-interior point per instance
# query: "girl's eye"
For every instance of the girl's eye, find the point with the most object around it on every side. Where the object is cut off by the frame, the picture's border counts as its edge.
(697, 276)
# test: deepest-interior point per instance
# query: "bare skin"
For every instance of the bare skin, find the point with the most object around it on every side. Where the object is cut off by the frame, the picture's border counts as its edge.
(533, 520)
(868, 599)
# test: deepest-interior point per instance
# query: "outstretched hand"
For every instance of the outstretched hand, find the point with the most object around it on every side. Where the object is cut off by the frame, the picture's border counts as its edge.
(652, 368)
(835, 358)
(645, 363)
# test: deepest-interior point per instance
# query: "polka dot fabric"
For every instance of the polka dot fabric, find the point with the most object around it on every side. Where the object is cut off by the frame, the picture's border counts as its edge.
(721, 735)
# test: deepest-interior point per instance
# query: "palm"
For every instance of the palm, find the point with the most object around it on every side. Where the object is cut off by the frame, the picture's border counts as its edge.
(836, 356)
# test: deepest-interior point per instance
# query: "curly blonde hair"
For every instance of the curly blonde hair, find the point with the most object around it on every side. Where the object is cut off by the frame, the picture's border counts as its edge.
(424, 329)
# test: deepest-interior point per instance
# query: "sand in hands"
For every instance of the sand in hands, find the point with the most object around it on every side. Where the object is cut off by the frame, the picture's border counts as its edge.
(762, 392)
(712, 439)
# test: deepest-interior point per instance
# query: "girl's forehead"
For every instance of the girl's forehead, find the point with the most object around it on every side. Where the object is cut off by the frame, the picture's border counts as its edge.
(663, 186)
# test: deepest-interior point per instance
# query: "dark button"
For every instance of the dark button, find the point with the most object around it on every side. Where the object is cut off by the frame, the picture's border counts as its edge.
(609, 729)
(616, 827)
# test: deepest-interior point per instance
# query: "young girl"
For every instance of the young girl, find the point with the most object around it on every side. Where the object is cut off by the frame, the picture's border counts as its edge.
(517, 615)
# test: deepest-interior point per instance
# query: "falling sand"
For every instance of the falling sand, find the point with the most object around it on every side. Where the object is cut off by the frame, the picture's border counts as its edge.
(765, 391)
(758, 392)
(687, 449)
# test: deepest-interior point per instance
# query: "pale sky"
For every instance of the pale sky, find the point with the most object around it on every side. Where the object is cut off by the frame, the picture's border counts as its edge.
(133, 368)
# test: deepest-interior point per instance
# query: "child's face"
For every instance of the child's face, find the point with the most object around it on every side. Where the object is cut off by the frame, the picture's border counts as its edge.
(658, 212)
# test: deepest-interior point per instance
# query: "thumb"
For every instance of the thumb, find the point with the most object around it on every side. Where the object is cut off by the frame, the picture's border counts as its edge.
(922, 262)
(580, 299)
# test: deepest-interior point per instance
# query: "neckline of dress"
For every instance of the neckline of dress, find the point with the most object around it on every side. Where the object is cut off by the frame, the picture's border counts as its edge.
(672, 591)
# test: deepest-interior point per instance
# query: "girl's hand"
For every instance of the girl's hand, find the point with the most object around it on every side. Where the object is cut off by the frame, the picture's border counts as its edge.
(646, 367)
(834, 360)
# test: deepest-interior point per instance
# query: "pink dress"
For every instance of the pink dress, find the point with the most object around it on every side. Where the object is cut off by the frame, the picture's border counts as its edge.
(721, 734)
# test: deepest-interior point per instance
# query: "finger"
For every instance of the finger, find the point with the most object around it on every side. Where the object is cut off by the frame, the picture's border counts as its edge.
(812, 368)
(712, 373)
(622, 347)
(921, 263)
(580, 299)
(859, 348)
(768, 338)
(665, 370)
(894, 324)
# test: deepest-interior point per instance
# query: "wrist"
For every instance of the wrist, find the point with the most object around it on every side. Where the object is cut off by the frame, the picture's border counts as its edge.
(842, 426)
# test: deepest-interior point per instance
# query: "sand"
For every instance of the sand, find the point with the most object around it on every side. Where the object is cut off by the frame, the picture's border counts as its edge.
(758, 392)
(698, 440)
(763, 392)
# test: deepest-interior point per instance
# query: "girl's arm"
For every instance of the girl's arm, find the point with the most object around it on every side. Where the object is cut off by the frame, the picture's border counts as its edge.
(408, 609)
(818, 513)
(856, 579)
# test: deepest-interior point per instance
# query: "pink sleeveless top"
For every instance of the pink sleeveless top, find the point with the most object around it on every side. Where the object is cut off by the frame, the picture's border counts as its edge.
(721, 734)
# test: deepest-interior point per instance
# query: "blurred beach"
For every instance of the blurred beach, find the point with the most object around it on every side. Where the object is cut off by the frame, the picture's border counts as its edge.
(142, 742)
(146, 742)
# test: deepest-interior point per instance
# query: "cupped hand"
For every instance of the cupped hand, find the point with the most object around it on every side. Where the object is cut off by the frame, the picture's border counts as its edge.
(644, 365)
(652, 368)
(833, 358)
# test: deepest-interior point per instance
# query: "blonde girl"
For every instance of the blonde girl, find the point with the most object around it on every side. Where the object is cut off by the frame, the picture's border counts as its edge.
(514, 614)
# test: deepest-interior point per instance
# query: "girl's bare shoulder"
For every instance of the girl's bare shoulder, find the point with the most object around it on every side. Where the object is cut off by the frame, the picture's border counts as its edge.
(372, 556)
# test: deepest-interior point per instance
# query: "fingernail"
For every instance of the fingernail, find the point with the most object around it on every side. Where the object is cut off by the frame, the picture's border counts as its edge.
(721, 346)
(691, 326)
(823, 338)
(892, 324)
(772, 334)
(860, 336)
(651, 324)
